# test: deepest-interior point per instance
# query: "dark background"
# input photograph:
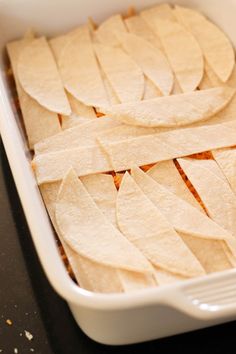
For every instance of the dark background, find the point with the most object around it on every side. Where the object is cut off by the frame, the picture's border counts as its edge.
(27, 299)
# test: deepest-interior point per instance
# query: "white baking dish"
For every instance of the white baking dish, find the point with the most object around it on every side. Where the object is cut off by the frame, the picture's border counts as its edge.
(116, 318)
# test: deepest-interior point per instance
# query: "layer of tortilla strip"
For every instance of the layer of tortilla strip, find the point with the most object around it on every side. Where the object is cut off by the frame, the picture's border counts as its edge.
(77, 136)
(78, 108)
(147, 149)
(49, 193)
(139, 27)
(211, 254)
(176, 89)
(214, 191)
(102, 189)
(39, 77)
(183, 52)
(144, 225)
(106, 32)
(85, 160)
(163, 277)
(163, 11)
(181, 48)
(206, 82)
(90, 275)
(150, 59)
(88, 232)
(175, 110)
(190, 222)
(226, 159)
(184, 217)
(150, 90)
(80, 72)
(38, 121)
(215, 45)
(112, 96)
(125, 77)
(167, 174)
(80, 113)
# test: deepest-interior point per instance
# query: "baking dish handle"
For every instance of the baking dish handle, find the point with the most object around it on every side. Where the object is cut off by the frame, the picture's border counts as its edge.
(212, 297)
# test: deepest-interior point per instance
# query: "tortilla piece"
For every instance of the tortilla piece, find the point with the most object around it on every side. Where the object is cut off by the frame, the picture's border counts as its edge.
(143, 225)
(80, 114)
(215, 45)
(167, 174)
(176, 89)
(163, 277)
(112, 96)
(98, 240)
(122, 72)
(86, 160)
(183, 216)
(78, 136)
(181, 48)
(148, 149)
(90, 275)
(150, 59)
(106, 32)
(38, 121)
(138, 26)
(150, 90)
(226, 159)
(210, 253)
(78, 108)
(206, 82)
(175, 110)
(80, 72)
(215, 192)
(190, 222)
(39, 77)
(102, 189)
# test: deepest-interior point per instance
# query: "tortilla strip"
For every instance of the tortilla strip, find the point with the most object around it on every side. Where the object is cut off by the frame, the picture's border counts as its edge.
(226, 159)
(78, 136)
(150, 90)
(80, 72)
(139, 27)
(39, 77)
(105, 34)
(125, 77)
(215, 45)
(112, 96)
(144, 150)
(78, 108)
(163, 277)
(143, 225)
(189, 221)
(150, 59)
(184, 217)
(80, 114)
(102, 189)
(38, 121)
(211, 253)
(181, 48)
(172, 111)
(86, 160)
(98, 240)
(205, 83)
(90, 275)
(214, 190)
(167, 174)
